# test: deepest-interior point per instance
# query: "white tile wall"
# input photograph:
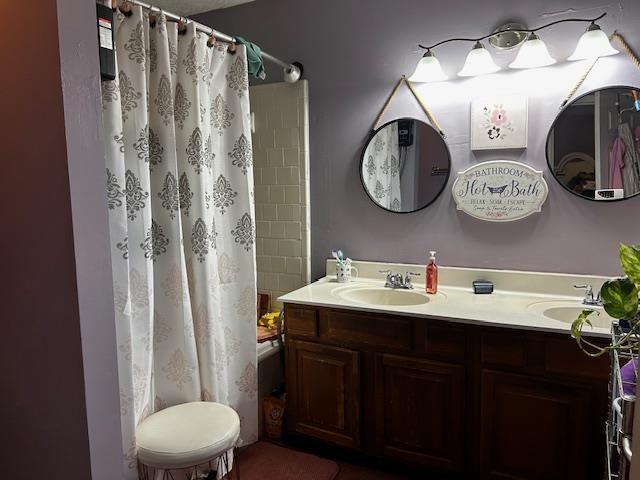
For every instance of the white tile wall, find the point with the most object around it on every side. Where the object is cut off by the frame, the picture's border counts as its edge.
(281, 175)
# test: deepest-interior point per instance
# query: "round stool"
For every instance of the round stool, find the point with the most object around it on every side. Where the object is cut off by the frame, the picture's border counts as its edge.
(185, 436)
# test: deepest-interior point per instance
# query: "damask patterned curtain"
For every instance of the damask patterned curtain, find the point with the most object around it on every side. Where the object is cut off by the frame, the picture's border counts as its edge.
(180, 199)
(382, 168)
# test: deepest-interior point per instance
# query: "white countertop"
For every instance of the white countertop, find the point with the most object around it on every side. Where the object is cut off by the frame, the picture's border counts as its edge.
(520, 299)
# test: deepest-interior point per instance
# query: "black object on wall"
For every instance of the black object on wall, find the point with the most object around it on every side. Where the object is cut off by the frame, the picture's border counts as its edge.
(105, 41)
(405, 133)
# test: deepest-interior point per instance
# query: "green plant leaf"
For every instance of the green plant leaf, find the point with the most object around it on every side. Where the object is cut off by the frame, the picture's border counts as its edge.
(630, 261)
(620, 298)
(578, 323)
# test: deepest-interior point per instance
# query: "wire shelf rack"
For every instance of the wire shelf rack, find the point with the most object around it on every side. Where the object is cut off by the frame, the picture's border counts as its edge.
(619, 427)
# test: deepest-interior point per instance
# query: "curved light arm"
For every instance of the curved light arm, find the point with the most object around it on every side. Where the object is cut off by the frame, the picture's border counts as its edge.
(523, 30)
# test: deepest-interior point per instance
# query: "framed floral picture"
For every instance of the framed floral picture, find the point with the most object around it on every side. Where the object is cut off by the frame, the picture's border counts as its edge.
(499, 121)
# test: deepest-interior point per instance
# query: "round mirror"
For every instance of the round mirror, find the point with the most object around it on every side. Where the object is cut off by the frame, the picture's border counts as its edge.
(593, 147)
(405, 165)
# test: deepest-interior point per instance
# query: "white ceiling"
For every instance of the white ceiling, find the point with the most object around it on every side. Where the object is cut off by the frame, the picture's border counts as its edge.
(190, 7)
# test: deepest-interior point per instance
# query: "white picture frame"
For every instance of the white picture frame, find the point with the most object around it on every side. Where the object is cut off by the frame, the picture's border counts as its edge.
(499, 122)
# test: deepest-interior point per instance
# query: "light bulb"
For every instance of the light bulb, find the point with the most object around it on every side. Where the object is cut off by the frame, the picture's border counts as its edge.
(478, 62)
(532, 54)
(593, 44)
(428, 69)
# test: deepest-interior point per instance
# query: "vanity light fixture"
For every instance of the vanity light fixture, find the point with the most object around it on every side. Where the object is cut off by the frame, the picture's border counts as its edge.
(532, 52)
(428, 69)
(592, 44)
(478, 62)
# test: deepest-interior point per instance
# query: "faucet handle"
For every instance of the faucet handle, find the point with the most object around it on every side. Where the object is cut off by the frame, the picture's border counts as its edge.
(587, 287)
(387, 274)
(589, 298)
(407, 279)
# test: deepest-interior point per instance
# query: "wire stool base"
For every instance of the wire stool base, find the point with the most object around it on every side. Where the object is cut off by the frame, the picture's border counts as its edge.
(146, 472)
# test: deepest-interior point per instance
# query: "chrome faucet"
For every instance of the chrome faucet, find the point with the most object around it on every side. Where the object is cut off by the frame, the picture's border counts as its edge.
(396, 280)
(589, 298)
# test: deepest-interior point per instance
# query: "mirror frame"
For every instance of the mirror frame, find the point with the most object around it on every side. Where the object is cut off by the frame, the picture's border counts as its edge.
(361, 165)
(546, 144)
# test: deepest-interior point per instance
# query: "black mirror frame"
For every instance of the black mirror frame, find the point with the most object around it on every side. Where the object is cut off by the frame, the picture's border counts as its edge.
(546, 144)
(364, 149)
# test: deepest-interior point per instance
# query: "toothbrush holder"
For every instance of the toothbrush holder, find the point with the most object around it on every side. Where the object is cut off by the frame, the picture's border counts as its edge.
(344, 272)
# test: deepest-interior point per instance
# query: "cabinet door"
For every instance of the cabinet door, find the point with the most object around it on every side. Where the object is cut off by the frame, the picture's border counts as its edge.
(420, 412)
(536, 429)
(324, 392)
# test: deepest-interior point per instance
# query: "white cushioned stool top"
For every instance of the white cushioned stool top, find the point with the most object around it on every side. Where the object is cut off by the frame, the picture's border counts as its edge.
(187, 434)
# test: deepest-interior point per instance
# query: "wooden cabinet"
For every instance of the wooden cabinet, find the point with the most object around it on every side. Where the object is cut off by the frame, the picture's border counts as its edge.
(420, 412)
(324, 392)
(469, 401)
(534, 428)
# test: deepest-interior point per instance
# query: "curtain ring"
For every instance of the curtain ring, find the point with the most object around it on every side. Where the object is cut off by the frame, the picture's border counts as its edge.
(160, 17)
(232, 48)
(182, 25)
(211, 41)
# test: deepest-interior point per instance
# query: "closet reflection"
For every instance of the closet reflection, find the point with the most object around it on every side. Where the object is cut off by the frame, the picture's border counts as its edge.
(593, 147)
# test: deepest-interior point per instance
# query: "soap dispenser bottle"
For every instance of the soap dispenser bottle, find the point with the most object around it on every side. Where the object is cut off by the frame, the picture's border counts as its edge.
(432, 274)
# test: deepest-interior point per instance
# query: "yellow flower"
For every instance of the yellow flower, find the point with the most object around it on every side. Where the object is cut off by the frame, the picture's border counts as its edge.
(269, 320)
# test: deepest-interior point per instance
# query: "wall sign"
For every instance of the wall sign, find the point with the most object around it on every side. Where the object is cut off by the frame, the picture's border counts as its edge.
(500, 191)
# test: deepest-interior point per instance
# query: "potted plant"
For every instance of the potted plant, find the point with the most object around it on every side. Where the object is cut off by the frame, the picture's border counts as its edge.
(620, 301)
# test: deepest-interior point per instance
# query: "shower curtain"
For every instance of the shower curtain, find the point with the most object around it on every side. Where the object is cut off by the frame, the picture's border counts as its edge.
(382, 168)
(180, 199)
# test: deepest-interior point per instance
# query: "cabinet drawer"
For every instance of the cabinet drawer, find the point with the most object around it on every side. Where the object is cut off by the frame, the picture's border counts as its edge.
(441, 340)
(503, 349)
(372, 331)
(564, 357)
(301, 322)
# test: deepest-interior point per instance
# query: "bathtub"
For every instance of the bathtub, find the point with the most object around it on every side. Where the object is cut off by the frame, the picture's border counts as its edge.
(270, 373)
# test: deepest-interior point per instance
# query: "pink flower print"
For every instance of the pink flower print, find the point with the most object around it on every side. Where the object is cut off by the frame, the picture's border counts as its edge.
(498, 116)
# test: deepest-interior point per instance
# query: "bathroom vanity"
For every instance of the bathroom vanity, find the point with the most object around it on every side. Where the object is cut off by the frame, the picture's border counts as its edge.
(480, 386)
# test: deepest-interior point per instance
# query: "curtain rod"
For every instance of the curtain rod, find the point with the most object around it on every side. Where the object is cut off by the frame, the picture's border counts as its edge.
(292, 71)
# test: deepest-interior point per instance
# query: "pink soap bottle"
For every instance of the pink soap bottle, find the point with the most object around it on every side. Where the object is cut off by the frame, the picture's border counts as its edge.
(432, 274)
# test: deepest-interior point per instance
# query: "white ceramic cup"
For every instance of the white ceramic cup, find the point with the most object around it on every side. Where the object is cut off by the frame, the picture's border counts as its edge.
(343, 272)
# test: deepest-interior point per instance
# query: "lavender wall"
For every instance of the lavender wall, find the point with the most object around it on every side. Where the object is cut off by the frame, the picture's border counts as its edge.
(80, 75)
(43, 420)
(354, 52)
(60, 402)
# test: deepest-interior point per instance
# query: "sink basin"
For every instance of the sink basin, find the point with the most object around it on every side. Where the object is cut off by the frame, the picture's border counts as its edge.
(382, 296)
(562, 314)
(567, 312)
